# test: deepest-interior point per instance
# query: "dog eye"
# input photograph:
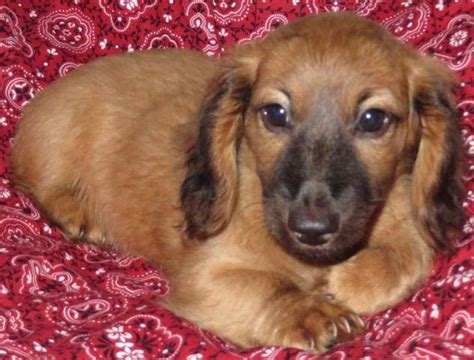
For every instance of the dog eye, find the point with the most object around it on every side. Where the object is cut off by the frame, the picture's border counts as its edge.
(374, 121)
(275, 115)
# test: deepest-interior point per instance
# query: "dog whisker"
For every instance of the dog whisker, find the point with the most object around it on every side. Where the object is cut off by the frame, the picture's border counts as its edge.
(378, 200)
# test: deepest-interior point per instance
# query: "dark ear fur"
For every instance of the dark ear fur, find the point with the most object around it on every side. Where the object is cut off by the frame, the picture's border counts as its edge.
(438, 188)
(210, 189)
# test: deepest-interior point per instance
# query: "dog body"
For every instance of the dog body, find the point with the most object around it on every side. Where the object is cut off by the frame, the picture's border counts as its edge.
(296, 182)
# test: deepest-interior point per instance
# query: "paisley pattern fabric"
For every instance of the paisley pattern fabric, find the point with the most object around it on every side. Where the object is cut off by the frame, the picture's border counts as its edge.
(59, 300)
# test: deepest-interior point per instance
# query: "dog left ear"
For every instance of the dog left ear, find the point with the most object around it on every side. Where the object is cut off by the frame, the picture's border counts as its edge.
(210, 189)
(438, 188)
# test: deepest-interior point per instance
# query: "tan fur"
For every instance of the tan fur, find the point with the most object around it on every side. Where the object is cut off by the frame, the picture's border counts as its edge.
(104, 152)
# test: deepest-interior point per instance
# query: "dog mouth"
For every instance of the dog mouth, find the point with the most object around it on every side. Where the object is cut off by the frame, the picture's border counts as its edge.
(322, 250)
(310, 241)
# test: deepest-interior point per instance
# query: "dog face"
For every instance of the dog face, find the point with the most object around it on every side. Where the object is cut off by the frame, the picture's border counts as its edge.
(334, 110)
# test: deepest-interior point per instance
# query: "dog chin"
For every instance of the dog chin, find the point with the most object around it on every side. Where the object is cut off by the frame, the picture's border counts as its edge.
(337, 249)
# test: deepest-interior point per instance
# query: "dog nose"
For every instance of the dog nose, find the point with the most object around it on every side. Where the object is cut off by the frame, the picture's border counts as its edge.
(312, 228)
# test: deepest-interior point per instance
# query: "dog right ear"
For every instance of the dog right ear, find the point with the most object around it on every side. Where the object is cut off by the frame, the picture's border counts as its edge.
(210, 190)
(438, 187)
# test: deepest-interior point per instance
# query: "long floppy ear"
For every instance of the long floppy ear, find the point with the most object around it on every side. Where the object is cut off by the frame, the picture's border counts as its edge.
(210, 189)
(438, 188)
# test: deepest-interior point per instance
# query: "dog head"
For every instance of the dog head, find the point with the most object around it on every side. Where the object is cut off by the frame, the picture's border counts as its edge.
(334, 110)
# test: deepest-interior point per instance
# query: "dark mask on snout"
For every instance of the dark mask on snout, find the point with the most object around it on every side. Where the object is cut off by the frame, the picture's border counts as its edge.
(318, 201)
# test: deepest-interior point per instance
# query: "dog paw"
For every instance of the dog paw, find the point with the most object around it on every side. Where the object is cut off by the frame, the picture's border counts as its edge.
(322, 326)
(331, 325)
(80, 231)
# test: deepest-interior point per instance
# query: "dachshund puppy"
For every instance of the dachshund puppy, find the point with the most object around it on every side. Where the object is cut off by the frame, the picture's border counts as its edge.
(297, 182)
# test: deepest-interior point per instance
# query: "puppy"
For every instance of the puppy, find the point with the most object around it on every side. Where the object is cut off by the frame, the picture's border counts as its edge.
(284, 189)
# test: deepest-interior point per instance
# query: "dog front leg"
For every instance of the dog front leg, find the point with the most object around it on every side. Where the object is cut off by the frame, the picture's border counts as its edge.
(395, 262)
(255, 308)
(377, 278)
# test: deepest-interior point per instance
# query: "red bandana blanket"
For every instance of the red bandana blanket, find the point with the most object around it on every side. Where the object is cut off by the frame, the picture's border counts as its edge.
(59, 300)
